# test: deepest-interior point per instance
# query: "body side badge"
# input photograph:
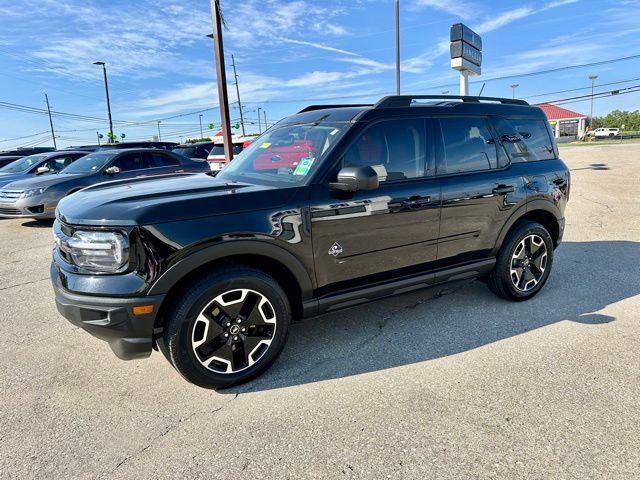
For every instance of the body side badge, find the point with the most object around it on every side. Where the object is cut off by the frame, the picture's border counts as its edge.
(335, 249)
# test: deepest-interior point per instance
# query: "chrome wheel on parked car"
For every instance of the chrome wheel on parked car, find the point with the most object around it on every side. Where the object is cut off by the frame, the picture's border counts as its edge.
(234, 331)
(528, 262)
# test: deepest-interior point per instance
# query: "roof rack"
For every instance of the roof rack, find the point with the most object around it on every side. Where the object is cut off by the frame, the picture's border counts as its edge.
(400, 101)
(311, 108)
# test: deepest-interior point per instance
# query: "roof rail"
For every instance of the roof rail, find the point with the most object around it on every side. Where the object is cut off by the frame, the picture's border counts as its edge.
(311, 108)
(399, 101)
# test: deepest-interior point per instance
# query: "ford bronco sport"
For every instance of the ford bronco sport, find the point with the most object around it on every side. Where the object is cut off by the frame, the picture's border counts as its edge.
(332, 207)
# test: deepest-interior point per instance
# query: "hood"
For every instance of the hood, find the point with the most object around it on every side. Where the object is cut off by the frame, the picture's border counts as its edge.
(7, 178)
(154, 200)
(44, 181)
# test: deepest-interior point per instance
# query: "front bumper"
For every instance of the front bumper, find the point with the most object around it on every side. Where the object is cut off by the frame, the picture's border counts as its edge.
(22, 209)
(110, 319)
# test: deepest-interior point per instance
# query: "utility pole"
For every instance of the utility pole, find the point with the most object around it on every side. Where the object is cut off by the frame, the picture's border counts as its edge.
(398, 47)
(106, 89)
(513, 88)
(235, 75)
(223, 97)
(201, 134)
(98, 135)
(264, 112)
(593, 81)
(53, 135)
(259, 124)
(159, 135)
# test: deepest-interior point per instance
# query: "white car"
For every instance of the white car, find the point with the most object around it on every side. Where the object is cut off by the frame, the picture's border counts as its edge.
(606, 132)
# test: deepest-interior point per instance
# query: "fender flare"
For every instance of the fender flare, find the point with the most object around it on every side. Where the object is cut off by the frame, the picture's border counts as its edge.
(191, 262)
(520, 212)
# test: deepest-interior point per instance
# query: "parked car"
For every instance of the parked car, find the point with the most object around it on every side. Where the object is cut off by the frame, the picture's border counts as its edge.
(216, 157)
(144, 144)
(378, 200)
(605, 132)
(85, 148)
(198, 150)
(38, 197)
(37, 165)
(7, 159)
(24, 151)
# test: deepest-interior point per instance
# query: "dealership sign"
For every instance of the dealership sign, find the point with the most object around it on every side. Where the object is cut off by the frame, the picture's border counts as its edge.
(466, 50)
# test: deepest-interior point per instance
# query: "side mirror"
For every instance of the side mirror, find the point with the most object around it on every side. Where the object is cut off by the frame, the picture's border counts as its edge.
(352, 179)
(42, 170)
(112, 171)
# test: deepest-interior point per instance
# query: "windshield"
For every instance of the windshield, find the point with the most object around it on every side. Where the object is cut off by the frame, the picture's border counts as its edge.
(23, 164)
(91, 163)
(285, 156)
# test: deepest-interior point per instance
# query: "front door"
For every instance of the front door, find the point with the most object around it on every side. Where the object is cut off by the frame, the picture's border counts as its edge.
(373, 235)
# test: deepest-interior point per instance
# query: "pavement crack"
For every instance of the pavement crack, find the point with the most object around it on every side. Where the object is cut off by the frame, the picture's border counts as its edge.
(23, 284)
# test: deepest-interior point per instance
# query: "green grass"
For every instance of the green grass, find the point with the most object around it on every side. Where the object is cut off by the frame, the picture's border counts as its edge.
(600, 142)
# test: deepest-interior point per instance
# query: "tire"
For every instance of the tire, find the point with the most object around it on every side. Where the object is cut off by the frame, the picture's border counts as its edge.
(226, 327)
(523, 263)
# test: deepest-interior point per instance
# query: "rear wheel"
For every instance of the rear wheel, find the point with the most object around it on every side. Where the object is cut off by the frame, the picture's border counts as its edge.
(524, 262)
(228, 327)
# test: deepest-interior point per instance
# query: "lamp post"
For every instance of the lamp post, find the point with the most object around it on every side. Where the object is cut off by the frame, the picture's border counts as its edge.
(106, 89)
(159, 135)
(201, 134)
(513, 88)
(259, 121)
(593, 81)
(397, 47)
(264, 112)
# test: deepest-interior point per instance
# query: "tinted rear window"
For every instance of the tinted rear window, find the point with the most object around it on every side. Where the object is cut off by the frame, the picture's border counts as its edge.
(468, 145)
(526, 140)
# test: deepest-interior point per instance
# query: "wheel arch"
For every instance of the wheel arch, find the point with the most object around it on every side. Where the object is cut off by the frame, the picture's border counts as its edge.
(271, 259)
(544, 213)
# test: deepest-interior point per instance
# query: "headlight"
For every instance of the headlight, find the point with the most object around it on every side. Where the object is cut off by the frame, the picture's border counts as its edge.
(33, 192)
(101, 251)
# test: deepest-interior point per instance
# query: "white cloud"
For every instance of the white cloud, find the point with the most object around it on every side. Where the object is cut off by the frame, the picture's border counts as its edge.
(502, 19)
(317, 45)
(456, 8)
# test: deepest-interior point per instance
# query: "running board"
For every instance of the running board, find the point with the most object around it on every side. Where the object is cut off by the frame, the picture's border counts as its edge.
(357, 297)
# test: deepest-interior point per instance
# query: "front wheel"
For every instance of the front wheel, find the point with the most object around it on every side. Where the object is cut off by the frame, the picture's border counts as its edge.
(523, 263)
(227, 327)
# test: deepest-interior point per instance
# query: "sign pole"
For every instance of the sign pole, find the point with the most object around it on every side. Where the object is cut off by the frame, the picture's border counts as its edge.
(464, 83)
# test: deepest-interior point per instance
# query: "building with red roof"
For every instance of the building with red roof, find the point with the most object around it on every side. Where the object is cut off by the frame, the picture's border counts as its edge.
(564, 122)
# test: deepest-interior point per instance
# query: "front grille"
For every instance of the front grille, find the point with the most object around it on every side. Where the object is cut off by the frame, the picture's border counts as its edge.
(10, 196)
(10, 211)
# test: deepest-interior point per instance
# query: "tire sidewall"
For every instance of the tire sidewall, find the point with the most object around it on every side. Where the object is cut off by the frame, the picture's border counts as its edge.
(178, 336)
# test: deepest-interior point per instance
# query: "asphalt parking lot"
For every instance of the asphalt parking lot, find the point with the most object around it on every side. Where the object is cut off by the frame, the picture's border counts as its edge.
(447, 383)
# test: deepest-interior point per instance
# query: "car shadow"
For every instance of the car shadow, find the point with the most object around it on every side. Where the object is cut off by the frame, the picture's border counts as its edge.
(447, 320)
(44, 223)
(593, 166)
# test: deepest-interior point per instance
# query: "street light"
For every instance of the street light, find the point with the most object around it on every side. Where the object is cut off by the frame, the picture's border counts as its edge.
(106, 89)
(159, 136)
(513, 87)
(201, 134)
(593, 81)
(259, 121)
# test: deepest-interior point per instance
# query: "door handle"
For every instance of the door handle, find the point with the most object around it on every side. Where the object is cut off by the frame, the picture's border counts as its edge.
(503, 189)
(416, 201)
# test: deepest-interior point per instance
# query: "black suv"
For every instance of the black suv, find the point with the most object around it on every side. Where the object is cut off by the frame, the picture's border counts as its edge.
(332, 207)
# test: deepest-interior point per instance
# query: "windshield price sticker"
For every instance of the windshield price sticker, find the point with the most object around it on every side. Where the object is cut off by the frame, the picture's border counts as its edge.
(304, 166)
(265, 145)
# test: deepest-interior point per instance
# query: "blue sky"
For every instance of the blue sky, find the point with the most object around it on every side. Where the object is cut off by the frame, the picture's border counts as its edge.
(289, 54)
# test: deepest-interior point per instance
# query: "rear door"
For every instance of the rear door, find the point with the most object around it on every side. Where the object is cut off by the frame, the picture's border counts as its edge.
(377, 234)
(479, 190)
(131, 165)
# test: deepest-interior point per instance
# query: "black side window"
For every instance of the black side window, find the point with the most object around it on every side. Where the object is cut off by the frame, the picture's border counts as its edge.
(396, 149)
(160, 160)
(468, 145)
(55, 165)
(131, 161)
(526, 140)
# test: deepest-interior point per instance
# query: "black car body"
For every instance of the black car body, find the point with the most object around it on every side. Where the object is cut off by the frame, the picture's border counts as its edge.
(143, 144)
(333, 207)
(38, 197)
